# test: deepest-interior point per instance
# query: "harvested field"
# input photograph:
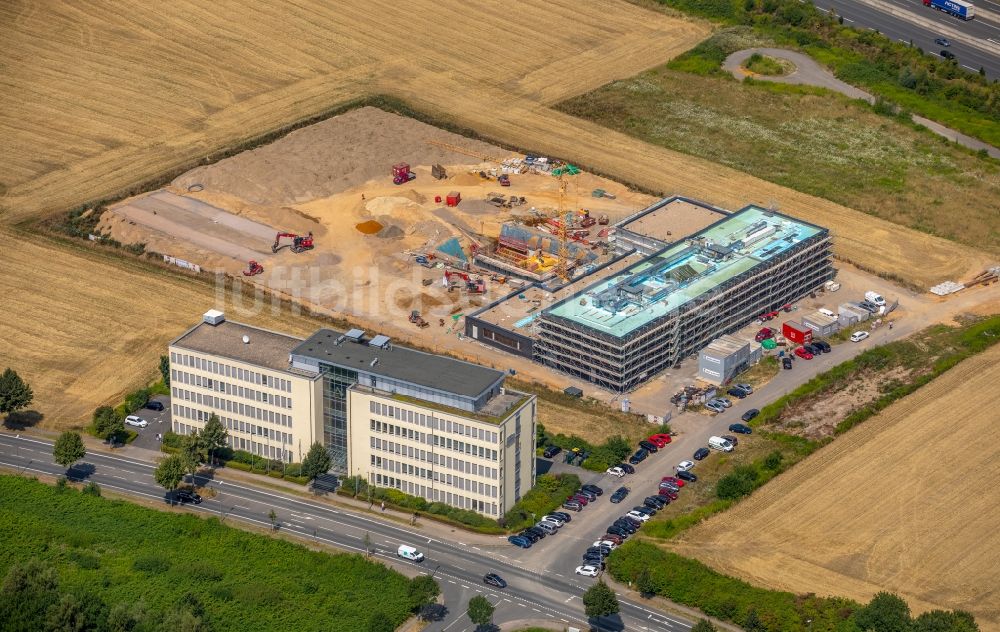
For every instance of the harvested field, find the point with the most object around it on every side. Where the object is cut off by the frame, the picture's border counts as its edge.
(875, 511)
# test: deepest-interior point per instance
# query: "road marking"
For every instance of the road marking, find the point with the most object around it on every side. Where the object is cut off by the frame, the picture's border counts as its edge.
(522, 605)
(847, 19)
(571, 598)
(970, 68)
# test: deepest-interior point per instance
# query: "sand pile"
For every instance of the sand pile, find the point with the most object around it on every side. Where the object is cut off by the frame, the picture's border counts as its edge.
(390, 232)
(370, 227)
(465, 179)
(386, 204)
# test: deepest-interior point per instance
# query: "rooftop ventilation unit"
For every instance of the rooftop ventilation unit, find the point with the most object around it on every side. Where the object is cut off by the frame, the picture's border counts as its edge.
(246, 340)
(214, 317)
(339, 340)
(379, 341)
(355, 335)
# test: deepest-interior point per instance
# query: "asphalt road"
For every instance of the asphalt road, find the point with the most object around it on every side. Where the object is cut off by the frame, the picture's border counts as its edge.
(971, 58)
(531, 594)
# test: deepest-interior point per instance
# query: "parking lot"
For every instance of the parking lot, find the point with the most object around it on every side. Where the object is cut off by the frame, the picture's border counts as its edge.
(159, 423)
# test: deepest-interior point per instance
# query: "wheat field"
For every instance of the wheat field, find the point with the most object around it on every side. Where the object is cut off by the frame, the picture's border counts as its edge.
(906, 502)
(96, 98)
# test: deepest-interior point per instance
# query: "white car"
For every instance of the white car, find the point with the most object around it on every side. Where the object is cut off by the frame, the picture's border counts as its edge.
(133, 420)
(606, 543)
(684, 466)
(858, 336)
(638, 515)
(554, 519)
(587, 571)
(616, 471)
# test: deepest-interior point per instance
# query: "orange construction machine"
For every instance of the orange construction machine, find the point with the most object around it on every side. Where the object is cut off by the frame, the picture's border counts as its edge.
(253, 268)
(457, 279)
(299, 243)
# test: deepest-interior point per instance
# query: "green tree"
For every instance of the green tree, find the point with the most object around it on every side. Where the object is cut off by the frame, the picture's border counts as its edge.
(192, 447)
(886, 612)
(740, 482)
(480, 610)
(703, 625)
(600, 601)
(753, 623)
(423, 590)
(27, 592)
(773, 460)
(180, 620)
(317, 461)
(67, 615)
(165, 369)
(107, 423)
(170, 472)
(943, 621)
(15, 393)
(213, 436)
(273, 517)
(127, 616)
(68, 449)
(645, 584)
(618, 448)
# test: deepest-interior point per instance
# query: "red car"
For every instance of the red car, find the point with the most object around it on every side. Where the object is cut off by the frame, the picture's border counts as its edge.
(610, 537)
(802, 353)
(580, 499)
(672, 495)
(672, 479)
(764, 334)
(659, 440)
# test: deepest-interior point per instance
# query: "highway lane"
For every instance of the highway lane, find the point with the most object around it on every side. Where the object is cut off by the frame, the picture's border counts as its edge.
(971, 58)
(456, 565)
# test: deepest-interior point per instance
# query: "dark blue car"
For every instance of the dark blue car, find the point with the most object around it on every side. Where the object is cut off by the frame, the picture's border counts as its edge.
(520, 541)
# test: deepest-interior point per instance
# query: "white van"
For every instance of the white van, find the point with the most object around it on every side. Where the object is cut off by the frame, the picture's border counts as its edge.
(409, 553)
(826, 312)
(875, 298)
(718, 443)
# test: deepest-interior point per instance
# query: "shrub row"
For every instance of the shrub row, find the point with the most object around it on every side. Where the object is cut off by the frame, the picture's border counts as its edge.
(612, 452)
(242, 460)
(550, 491)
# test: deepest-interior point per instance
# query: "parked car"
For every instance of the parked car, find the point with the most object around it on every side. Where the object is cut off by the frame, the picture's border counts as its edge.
(725, 402)
(185, 496)
(587, 571)
(823, 345)
(534, 537)
(154, 405)
(616, 539)
(654, 502)
(643, 509)
(941, 41)
(551, 451)
(619, 494)
(872, 308)
(813, 349)
(858, 336)
(764, 334)
(649, 446)
(731, 439)
(580, 500)
(603, 551)
(615, 471)
(639, 456)
(748, 416)
(133, 420)
(520, 541)
(690, 477)
(745, 388)
(572, 505)
(660, 439)
(617, 531)
(494, 580)
(786, 362)
(714, 407)
(701, 453)
(593, 489)
(803, 353)
(684, 466)
(738, 393)
(635, 521)
(670, 486)
(947, 54)
(586, 493)
(594, 560)
(627, 525)
(554, 518)
(628, 468)
(538, 533)
(562, 515)
(740, 428)
(672, 479)
(668, 493)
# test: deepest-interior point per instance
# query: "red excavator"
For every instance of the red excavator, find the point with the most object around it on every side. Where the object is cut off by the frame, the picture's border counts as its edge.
(299, 243)
(253, 269)
(472, 286)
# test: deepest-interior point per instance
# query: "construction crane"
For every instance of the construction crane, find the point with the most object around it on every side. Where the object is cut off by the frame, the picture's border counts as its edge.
(562, 267)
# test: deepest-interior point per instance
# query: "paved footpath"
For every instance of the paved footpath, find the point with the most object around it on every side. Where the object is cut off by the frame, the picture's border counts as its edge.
(808, 72)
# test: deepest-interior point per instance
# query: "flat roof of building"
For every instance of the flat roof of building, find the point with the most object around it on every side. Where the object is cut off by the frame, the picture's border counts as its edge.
(684, 271)
(436, 372)
(266, 348)
(673, 219)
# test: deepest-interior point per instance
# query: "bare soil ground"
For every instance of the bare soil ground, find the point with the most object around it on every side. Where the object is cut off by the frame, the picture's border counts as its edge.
(875, 510)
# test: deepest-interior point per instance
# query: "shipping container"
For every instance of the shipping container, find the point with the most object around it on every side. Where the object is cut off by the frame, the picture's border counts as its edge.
(797, 332)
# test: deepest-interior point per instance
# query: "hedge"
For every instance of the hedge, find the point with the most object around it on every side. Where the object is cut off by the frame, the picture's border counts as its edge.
(550, 491)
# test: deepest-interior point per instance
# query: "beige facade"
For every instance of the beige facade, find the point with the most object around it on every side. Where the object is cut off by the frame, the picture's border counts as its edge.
(475, 462)
(267, 411)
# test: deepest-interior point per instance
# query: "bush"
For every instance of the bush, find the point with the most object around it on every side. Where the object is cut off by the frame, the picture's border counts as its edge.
(550, 491)
(395, 499)
(136, 400)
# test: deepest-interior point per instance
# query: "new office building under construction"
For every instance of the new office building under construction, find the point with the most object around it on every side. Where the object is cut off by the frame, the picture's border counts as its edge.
(619, 328)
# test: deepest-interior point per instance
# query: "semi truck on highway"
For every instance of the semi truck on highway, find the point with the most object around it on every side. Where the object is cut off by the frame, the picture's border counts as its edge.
(958, 8)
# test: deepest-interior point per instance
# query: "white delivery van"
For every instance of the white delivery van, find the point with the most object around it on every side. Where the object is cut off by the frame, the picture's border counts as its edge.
(875, 298)
(409, 553)
(826, 312)
(718, 443)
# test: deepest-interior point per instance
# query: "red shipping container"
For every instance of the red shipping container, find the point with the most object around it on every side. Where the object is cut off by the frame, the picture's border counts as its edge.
(796, 332)
(454, 198)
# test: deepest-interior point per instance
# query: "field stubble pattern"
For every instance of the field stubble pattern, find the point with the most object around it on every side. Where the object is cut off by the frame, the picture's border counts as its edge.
(905, 502)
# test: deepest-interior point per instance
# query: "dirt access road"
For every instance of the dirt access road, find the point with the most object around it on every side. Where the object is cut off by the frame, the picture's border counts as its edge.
(877, 510)
(809, 72)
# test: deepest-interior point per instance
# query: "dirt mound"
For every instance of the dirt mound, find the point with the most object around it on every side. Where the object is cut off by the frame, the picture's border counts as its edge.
(415, 196)
(370, 227)
(390, 232)
(465, 179)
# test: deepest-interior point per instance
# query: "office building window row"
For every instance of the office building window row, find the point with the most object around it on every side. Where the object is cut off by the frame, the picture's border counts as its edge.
(441, 460)
(431, 439)
(191, 379)
(218, 368)
(443, 478)
(233, 425)
(229, 406)
(436, 495)
(428, 421)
